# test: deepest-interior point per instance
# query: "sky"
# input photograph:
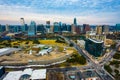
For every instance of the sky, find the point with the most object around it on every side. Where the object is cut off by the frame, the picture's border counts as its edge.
(86, 11)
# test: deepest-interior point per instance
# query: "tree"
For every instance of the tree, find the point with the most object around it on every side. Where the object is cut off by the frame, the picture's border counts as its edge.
(71, 45)
(116, 71)
(108, 68)
(36, 42)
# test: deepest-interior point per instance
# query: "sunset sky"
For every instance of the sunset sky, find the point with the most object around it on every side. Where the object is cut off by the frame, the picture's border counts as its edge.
(86, 11)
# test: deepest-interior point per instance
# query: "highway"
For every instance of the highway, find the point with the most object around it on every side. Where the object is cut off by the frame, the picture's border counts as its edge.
(103, 74)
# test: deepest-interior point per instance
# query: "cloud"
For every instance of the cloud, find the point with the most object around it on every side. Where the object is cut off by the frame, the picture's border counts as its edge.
(86, 11)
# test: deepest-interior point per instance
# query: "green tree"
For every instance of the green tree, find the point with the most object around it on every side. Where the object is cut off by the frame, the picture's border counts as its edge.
(108, 68)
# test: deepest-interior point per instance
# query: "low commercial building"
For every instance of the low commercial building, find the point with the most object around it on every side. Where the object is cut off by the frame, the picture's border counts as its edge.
(14, 75)
(90, 75)
(94, 47)
(6, 51)
(39, 74)
(27, 74)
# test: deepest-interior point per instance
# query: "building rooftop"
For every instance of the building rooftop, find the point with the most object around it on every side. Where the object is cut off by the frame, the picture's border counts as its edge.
(5, 51)
(89, 74)
(95, 41)
(14, 75)
(1, 67)
(39, 74)
(27, 71)
(26, 74)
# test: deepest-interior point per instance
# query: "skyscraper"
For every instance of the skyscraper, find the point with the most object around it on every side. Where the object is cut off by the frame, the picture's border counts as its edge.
(32, 29)
(40, 28)
(56, 27)
(118, 27)
(73, 27)
(47, 26)
(75, 22)
(0, 28)
(7, 27)
(22, 24)
(86, 28)
(64, 27)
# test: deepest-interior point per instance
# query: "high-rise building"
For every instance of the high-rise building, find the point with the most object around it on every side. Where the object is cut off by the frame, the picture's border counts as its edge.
(73, 27)
(7, 27)
(32, 29)
(64, 27)
(2, 28)
(56, 27)
(41, 28)
(69, 28)
(86, 27)
(99, 30)
(94, 47)
(118, 27)
(22, 24)
(78, 29)
(47, 26)
(105, 29)
(75, 22)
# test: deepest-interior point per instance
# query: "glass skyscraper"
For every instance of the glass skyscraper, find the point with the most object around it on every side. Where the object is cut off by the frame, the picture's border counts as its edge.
(118, 27)
(32, 29)
(75, 21)
(22, 25)
(56, 27)
(94, 47)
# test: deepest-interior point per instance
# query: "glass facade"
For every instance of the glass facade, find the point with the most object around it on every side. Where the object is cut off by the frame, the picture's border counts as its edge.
(118, 27)
(32, 29)
(94, 48)
(56, 27)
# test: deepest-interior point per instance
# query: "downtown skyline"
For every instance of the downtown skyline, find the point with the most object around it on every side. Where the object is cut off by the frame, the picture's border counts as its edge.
(90, 12)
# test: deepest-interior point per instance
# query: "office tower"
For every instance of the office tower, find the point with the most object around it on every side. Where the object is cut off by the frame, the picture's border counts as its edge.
(64, 27)
(94, 47)
(78, 29)
(73, 29)
(86, 28)
(26, 27)
(56, 27)
(2, 28)
(47, 26)
(99, 30)
(69, 28)
(22, 24)
(40, 28)
(105, 29)
(117, 27)
(75, 22)
(15, 28)
(32, 29)
(7, 27)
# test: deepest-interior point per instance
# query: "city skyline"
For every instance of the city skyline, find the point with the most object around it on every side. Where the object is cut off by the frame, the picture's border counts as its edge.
(89, 12)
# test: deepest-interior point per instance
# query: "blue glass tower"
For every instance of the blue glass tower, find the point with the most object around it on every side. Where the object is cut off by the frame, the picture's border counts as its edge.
(118, 27)
(56, 27)
(94, 47)
(40, 28)
(32, 29)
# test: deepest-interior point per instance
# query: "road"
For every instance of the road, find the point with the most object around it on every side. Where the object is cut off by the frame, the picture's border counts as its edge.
(104, 75)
